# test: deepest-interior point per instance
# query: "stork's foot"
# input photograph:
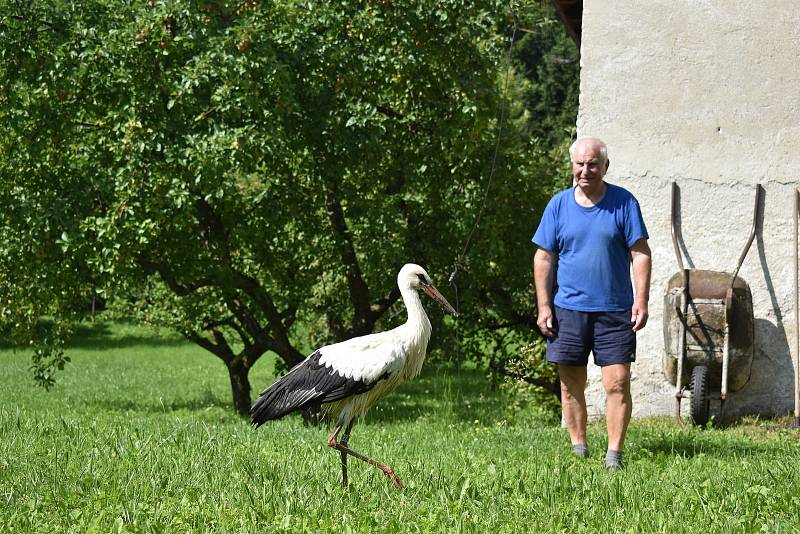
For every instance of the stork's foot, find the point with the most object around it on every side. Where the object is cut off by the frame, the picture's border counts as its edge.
(389, 472)
(342, 447)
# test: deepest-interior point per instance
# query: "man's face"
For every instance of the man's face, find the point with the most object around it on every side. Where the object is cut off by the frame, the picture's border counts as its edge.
(588, 165)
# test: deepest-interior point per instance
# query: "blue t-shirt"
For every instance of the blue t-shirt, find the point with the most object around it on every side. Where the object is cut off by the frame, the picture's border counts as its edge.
(593, 247)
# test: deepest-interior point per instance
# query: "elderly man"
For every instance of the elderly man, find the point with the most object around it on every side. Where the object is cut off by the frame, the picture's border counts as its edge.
(590, 234)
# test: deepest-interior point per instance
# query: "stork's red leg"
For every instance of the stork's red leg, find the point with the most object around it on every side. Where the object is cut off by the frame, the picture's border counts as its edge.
(345, 450)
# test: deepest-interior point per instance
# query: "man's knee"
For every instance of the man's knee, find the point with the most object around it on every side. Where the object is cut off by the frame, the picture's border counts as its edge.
(572, 388)
(570, 392)
(618, 387)
(617, 380)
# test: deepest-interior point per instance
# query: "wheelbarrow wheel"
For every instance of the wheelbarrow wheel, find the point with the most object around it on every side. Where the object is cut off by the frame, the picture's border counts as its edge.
(699, 407)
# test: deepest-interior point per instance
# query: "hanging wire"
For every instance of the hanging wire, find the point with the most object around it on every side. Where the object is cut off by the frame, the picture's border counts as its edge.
(501, 124)
(460, 259)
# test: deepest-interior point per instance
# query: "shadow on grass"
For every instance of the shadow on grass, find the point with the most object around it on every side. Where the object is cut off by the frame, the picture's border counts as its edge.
(153, 406)
(688, 444)
(462, 395)
(104, 335)
(466, 395)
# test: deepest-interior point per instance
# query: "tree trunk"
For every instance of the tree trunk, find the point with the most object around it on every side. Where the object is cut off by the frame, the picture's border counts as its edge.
(240, 387)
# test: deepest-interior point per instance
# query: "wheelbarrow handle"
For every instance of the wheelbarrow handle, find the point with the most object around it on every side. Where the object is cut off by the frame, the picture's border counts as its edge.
(746, 249)
(674, 225)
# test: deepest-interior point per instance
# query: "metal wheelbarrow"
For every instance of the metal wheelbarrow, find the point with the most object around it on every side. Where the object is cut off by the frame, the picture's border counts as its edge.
(708, 329)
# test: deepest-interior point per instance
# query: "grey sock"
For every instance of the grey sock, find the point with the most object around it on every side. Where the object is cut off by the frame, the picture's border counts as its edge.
(580, 449)
(613, 460)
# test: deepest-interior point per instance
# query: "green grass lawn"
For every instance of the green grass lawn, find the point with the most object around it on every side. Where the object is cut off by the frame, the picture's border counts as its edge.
(138, 436)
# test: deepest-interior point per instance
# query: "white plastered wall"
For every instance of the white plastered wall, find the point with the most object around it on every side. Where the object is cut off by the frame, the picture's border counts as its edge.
(705, 93)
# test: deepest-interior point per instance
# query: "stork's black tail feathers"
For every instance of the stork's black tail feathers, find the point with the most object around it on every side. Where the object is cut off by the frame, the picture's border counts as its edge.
(283, 397)
(308, 384)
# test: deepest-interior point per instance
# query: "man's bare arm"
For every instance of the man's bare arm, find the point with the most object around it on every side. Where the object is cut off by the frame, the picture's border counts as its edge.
(544, 267)
(640, 255)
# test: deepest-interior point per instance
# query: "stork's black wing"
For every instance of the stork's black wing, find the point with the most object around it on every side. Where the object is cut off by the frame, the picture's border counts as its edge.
(308, 384)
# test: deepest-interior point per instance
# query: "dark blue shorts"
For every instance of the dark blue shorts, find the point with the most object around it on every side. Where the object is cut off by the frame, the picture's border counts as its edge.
(607, 335)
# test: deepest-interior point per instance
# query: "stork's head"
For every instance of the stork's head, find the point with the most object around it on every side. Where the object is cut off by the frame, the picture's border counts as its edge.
(414, 277)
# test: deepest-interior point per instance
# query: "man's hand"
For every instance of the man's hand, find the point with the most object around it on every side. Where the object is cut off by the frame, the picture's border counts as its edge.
(544, 320)
(639, 315)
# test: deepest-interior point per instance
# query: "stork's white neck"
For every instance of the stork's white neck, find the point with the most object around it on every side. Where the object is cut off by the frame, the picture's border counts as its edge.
(416, 312)
(418, 329)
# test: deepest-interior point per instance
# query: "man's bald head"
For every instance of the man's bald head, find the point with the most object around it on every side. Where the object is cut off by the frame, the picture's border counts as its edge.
(588, 141)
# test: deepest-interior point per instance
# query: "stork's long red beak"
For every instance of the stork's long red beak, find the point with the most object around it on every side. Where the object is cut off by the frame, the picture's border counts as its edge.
(433, 293)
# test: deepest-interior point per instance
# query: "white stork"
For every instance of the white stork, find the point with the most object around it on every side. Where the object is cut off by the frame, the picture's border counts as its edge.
(346, 379)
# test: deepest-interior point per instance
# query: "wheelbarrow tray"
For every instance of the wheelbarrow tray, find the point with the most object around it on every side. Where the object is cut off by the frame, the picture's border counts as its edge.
(705, 327)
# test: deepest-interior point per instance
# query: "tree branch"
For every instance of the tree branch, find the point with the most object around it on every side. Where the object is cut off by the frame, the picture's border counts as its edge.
(499, 297)
(163, 270)
(90, 125)
(278, 330)
(379, 308)
(213, 228)
(413, 126)
(359, 292)
(289, 316)
(553, 387)
(220, 349)
(249, 325)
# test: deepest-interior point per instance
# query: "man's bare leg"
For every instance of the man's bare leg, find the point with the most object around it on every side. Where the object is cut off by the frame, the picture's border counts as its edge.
(573, 402)
(617, 383)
